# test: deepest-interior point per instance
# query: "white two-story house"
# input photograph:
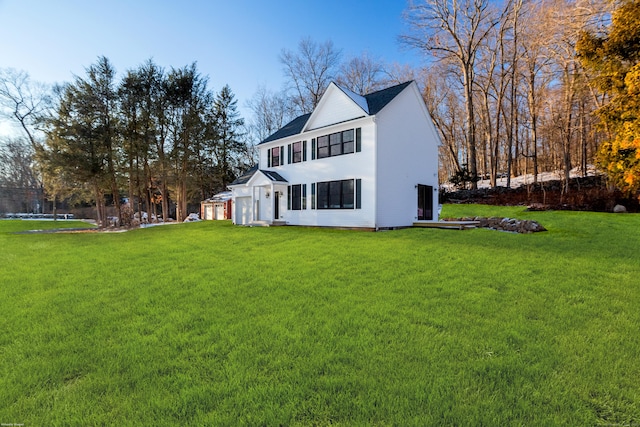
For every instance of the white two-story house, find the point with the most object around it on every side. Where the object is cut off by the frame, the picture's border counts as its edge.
(356, 161)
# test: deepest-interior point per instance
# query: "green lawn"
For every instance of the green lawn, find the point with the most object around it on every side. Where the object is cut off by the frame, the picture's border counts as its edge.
(211, 324)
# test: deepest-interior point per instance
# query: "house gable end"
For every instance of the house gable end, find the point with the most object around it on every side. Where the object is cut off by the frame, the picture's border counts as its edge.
(413, 101)
(258, 179)
(336, 106)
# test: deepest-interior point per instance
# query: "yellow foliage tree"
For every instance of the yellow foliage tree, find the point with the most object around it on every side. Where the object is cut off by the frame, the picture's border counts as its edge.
(621, 156)
(614, 63)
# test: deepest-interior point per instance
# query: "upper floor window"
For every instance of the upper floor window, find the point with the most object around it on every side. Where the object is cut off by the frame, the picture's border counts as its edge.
(347, 141)
(336, 144)
(296, 152)
(323, 147)
(275, 156)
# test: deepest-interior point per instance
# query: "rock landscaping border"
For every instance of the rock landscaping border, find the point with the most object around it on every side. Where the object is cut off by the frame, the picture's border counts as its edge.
(512, 225)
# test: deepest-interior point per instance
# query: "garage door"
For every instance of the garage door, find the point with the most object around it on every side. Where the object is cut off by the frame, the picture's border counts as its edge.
(243, 210)
(208, 212)
(219, 211)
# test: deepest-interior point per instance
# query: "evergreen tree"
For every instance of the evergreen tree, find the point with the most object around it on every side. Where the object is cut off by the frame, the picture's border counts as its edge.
(227, 127)
(82, 137)
(188, 100)
(154, 132)
(141, 115)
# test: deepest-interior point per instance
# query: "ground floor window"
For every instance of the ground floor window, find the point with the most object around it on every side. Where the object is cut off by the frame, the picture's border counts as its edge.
(297, 199)
(335, 194)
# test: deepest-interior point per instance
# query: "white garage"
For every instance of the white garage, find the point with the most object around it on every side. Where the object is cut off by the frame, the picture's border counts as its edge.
(217, 207)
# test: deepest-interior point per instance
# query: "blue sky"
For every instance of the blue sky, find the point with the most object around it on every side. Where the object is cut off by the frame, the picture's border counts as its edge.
(235, 42)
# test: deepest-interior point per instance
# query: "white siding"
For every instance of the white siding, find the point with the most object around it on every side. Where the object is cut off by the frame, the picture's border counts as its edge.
(407, 156)
(241, 191)
(399, 150)
(335, 107)
(347, 166)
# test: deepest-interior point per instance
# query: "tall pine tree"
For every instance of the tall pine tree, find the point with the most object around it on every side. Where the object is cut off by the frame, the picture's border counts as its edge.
(228, 147)
(82, 136)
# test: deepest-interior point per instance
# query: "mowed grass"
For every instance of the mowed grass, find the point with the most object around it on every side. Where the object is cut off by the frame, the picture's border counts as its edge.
(212, 324)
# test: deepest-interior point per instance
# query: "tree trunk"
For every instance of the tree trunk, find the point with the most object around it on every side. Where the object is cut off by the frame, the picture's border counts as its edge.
(533, 124)
(471, 134)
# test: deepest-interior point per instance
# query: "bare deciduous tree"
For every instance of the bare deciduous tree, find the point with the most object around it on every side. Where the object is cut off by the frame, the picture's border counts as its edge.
(309, 71)
(362, 74)
(20, 185)
(271, 111)
(24, 101)
(452, 30)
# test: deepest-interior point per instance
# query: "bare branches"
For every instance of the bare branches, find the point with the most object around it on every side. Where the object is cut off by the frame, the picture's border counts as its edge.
(24, 101)
(271, 111)
(362, 74)
(454, 30)
(445, 28)
(310, 70)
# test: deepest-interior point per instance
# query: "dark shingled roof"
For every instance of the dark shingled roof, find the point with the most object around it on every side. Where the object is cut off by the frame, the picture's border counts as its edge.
(378, 100)
(243, 179)
(295, 126)
(273, 176)
(375, 100)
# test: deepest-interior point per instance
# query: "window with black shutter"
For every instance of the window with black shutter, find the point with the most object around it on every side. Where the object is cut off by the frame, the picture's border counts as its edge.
(336, 144)
(296, 197)
(335, 194)
(296, 152)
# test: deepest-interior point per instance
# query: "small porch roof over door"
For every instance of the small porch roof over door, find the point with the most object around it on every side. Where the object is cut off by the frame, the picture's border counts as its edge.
(273, 176)
(266, 178)
(255, 176)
